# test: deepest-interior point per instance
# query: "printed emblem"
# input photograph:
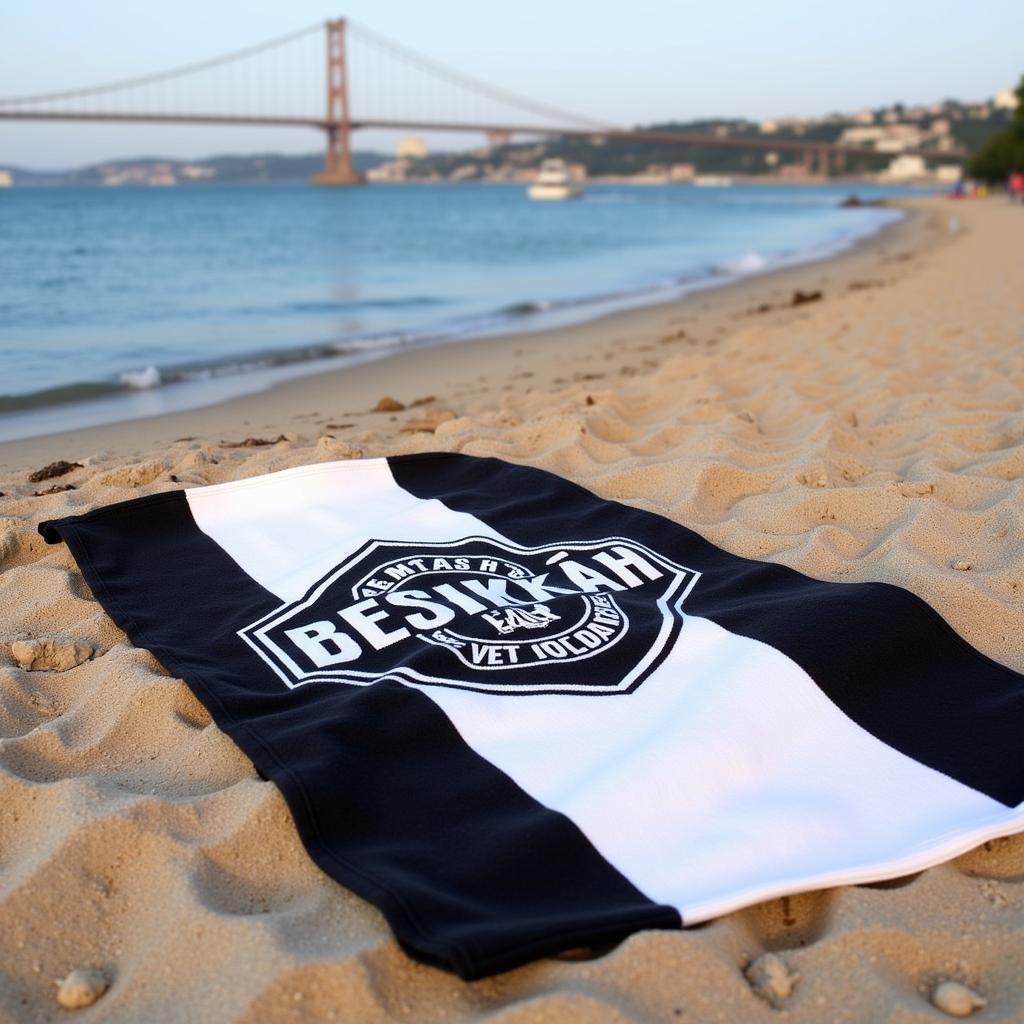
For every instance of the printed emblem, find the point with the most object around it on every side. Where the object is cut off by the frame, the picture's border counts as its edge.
(592, 617)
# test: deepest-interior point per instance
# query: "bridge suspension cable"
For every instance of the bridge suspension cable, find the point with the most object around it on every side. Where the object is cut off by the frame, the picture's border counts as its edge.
(380, 43)
(166, 75)
(386, 86)
(477, 85)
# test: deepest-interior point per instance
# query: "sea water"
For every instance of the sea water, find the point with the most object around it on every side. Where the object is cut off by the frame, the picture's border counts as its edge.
(121, 302)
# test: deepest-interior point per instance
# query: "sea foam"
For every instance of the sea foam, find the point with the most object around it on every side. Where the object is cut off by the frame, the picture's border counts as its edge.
(749, 263)
(141, 380)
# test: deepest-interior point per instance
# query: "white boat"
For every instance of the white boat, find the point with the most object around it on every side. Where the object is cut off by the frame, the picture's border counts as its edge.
(712, 180)
(554, 182)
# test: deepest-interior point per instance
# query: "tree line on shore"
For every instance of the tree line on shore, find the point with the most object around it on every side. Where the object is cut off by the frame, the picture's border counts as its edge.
(1003, 153)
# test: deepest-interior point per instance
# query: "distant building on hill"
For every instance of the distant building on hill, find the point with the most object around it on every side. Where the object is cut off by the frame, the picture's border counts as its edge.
(655, 174)
(162, 174)
(197, 172)
(409, 149)
(464, 172)
(138, 174)
(899, 137)
(393, 170)
(1006, 99)
(862, 135)
(498, 138)
(905, 168)
(794, 172)
(412, 148)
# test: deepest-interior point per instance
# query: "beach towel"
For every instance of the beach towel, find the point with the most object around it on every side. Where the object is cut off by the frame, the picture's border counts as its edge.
(522, 719)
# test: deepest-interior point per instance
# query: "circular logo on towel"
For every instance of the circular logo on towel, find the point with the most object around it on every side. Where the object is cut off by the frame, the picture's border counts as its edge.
(593, 617)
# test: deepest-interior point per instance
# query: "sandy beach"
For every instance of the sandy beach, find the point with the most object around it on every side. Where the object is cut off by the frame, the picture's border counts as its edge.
(857, 419)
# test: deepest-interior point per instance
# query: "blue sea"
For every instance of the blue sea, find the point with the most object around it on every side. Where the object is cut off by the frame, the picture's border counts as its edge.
(121, 302)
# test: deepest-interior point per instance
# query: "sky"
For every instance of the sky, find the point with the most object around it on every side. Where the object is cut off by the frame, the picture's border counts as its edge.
(617, 63)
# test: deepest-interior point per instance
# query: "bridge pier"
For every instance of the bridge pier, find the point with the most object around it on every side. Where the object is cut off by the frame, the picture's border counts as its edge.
(821, 156)
(338, 169)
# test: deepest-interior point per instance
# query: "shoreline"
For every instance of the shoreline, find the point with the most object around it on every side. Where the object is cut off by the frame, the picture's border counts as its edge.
(439, 367)
(141, 391)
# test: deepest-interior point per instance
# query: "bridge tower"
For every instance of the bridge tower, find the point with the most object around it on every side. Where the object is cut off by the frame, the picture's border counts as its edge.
(338, 169)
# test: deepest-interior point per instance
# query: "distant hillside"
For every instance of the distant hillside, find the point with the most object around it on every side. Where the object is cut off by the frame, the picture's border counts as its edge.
(254, 168)
(882, 134)
(889, 131)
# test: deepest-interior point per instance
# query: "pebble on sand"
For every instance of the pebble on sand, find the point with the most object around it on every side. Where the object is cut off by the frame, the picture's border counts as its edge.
(963, 566)
(48, 655)
(915, 489)
(55, 489)
(428, 421)
(81, 988)
(254, 442)
(771, 978)
(58, 468)
(957, 1000)
(388, 404)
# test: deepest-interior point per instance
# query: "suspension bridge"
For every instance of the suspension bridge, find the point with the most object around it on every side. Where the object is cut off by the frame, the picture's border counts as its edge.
(339, 77)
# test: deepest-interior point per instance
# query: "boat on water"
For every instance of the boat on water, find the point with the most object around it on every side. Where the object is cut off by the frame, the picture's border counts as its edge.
(713, 180)
(555, 181)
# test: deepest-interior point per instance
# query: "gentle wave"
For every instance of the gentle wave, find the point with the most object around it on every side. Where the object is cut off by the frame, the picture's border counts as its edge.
(750, 262)
(356, 305)
(525, 315)
(142, 380)
(525, 308)
(62, 395)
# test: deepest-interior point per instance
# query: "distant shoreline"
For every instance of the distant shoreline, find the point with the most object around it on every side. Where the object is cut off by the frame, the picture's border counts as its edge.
(147, 391)
(637, 180)
(542, 357)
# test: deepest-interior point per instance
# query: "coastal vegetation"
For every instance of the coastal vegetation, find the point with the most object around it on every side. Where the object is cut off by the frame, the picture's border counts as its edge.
(1003, 152)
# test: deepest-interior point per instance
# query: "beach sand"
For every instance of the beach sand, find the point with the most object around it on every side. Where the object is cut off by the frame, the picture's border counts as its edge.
(873, 434)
